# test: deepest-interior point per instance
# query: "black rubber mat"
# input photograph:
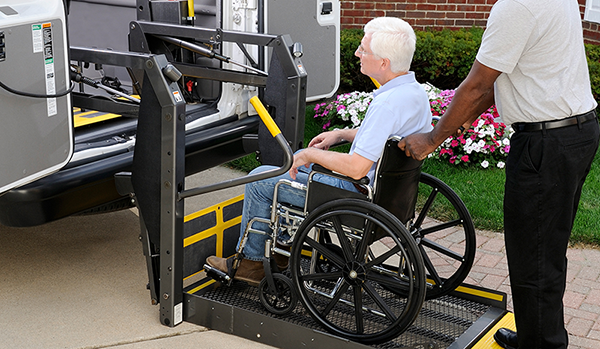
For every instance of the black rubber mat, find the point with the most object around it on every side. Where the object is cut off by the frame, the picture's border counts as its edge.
(440, 322)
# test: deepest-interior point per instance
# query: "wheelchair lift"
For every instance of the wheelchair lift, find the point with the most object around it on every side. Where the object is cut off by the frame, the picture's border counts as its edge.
(175, 251)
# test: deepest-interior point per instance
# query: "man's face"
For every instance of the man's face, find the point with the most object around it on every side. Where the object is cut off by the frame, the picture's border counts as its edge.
(369, 62)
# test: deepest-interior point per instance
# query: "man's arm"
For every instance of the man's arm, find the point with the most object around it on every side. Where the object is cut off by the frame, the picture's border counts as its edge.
(474, 96)
(327, 139)
(354, 165)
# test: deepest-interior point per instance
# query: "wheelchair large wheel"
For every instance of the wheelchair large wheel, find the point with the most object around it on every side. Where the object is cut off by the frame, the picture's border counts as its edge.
(447, 242)
(373, 286)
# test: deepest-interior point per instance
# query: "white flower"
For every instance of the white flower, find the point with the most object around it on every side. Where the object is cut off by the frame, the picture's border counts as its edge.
(500, 164)
(485, 164)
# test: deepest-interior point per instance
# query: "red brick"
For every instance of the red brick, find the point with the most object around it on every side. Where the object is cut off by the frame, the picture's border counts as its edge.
(354, 13)
(435, 14)
(455, 15)
(446, 7)
(474, 15)
(415, 14)
(374, 14)
(426, 7)
(364, 5)
(425, 22)
(385, 6)
(444, 22)
(465, 8)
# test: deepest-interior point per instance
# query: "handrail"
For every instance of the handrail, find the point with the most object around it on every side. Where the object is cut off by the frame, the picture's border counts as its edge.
(287, 161)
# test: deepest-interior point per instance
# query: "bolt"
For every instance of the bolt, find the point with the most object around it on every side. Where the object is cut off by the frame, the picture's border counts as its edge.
(149, 64)
(166, 296)
(168, 117)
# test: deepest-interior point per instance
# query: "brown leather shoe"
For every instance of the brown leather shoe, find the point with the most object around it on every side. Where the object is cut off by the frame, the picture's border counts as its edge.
(251, 272)
(281, 260)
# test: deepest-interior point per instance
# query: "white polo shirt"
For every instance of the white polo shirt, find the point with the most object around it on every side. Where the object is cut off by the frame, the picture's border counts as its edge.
(538, 46)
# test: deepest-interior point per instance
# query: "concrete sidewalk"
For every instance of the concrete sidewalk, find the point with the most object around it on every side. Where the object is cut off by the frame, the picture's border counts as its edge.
(81, 283)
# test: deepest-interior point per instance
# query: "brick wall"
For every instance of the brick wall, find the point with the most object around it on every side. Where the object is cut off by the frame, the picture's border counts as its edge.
(422, 14)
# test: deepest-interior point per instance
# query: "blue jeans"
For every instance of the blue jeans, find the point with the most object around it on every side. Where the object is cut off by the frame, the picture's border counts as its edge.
(258, 198)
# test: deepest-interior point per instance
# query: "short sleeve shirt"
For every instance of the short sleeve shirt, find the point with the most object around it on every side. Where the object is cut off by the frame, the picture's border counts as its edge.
(399, 108)
(538, 47)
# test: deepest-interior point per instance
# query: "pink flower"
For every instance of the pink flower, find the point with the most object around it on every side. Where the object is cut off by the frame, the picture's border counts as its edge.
(464, 158)
(454, 143)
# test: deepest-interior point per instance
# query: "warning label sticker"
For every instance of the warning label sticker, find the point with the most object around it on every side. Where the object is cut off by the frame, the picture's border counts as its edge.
(38, 40)
(49, 65)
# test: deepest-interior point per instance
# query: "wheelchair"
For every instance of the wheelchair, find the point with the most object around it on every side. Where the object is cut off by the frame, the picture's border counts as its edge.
(362, 264)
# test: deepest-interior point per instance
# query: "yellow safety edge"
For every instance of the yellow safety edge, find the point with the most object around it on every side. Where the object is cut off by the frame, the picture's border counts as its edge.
(264, 115)
(89, 117)
(217, 230)
(487, 341)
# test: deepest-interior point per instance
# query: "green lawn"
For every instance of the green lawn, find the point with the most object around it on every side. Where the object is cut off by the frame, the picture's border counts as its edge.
(482, 191)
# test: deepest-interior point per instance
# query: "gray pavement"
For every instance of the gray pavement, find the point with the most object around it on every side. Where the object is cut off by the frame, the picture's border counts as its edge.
(81, 283)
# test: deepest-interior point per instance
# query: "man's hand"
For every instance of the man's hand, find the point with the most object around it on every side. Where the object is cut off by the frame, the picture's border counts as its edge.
(417, 145)
(300, 159)
(324, 140)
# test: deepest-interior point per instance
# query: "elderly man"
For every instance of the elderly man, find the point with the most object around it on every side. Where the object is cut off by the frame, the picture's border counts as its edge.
(400, 107)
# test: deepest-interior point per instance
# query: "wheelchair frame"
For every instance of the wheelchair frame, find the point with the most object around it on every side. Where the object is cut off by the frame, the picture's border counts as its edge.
(384, 284)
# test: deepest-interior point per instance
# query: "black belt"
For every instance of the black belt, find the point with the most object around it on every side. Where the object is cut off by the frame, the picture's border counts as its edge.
(548, 125)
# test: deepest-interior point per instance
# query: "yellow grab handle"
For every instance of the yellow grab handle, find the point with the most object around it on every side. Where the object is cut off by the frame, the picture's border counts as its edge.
(265, 117)
(191, 12)
(377, 84)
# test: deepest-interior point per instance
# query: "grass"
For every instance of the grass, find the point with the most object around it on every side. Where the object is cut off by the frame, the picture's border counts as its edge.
(482, 190)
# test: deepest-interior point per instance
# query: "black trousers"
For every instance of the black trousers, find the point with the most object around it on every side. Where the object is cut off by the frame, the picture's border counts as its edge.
(545, 171)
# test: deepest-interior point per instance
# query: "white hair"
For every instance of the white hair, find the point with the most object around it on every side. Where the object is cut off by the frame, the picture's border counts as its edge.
(394, 39)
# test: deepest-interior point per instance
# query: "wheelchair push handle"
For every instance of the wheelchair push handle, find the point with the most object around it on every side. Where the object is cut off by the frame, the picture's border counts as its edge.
(288, 158)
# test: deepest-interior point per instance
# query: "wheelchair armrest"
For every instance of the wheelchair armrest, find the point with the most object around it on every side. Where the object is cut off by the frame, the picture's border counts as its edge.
(323, 170)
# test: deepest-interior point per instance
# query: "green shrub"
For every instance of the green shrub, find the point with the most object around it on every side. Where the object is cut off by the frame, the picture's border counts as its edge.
(444, 58)
(593, 59)
(351, 79)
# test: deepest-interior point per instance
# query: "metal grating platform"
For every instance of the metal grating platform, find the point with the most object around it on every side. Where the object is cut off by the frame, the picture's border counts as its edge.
(441, 323)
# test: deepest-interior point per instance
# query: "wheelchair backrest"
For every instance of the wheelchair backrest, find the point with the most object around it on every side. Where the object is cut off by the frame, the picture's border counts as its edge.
(397, 181)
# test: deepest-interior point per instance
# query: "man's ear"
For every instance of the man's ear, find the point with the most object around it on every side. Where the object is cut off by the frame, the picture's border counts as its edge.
(385, 64)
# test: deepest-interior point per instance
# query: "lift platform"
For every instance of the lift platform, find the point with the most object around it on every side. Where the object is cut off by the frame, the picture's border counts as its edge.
(467, 318)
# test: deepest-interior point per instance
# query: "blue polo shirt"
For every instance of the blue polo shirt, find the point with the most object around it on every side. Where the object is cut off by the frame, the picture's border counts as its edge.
(399, 108)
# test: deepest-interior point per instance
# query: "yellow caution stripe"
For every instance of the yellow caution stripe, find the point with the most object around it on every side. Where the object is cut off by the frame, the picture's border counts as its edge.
(487, 341)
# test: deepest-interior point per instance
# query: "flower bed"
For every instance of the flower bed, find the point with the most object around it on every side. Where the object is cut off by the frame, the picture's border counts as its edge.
(486, 143)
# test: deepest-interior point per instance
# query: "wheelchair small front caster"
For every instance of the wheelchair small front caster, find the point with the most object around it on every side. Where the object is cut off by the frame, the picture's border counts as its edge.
(280, 301)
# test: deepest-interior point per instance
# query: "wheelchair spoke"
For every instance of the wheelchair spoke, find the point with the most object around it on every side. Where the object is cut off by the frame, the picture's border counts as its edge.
(441, 249)
(331, 276)
(336, 298)
(332, 256)
(383, 257)
(380, 302)
(426, 207)
(358, 309)
(429, 267)
(441, 226)
(339, 231)
(361, 251)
